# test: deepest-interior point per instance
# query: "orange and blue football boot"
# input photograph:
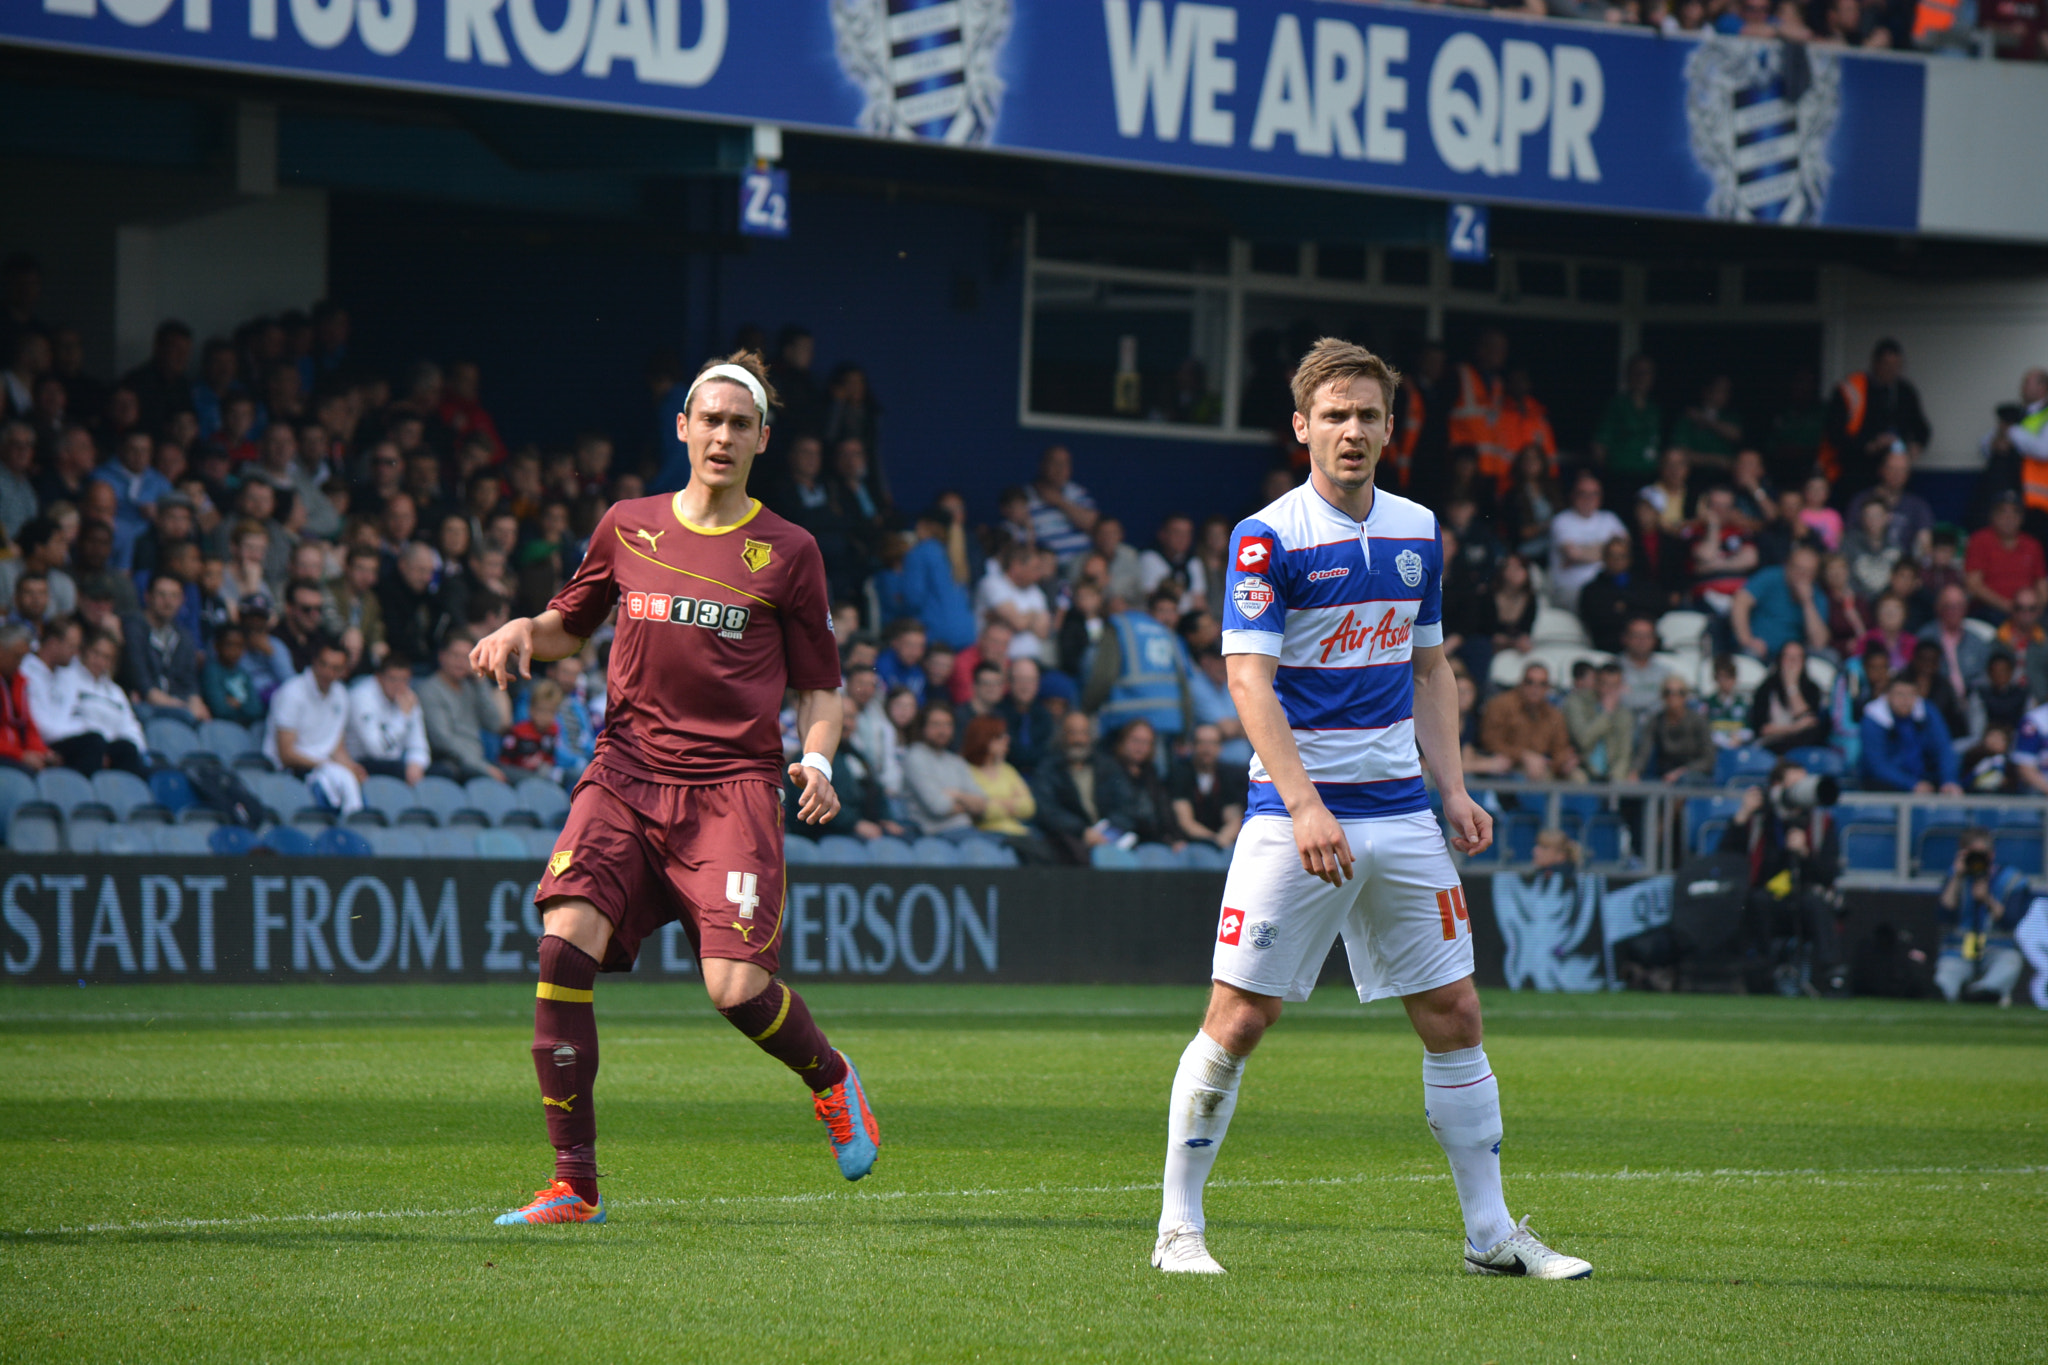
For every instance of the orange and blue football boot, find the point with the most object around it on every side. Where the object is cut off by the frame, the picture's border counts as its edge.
(558, 1203)
(850, 1124)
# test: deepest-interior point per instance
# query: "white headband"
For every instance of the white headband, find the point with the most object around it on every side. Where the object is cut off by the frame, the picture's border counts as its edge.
(737, 376)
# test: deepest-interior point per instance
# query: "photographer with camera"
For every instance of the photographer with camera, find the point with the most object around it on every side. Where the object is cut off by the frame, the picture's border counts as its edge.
(1791, 915)
(1980, 904)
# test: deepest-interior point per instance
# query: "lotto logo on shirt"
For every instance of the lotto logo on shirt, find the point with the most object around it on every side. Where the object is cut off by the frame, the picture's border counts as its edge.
(729, 621)
(1254, 553)
(1233, 925)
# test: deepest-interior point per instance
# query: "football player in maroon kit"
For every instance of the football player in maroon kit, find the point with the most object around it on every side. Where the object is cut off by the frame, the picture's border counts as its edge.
(722, 606)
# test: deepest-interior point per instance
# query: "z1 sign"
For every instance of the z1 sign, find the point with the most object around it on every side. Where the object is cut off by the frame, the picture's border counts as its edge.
(764, 203)
(1468, 232)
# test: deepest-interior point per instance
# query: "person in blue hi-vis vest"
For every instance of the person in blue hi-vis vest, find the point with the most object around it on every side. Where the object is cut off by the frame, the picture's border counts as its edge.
(1139, 670)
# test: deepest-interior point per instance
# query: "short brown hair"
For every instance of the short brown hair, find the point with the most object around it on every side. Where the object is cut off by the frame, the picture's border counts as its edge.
(1333, 358)
(750, 361)
(982, 731)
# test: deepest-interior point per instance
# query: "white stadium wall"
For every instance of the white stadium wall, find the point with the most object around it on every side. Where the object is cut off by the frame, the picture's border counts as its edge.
(1981, 158)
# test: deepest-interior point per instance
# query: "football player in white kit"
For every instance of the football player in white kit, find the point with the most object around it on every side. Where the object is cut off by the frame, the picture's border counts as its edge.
(1333, 630)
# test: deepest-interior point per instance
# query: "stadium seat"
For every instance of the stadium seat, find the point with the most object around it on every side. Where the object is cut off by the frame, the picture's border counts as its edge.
(17, 788)
(169, 740)
(932, 851)
(1820, 759)
(184, 840)
(1110, 858)
(798, 851)
(500, 843)
(1743, 767)
(1207, 858)
(1585, 807)
(519, 818)
(1851, 812)
(886, 851)
(983, 853)
(1158, 857)
(1556, 626)
(126, 840)
(540, 843)
(366, 816)
(1606, 837)
(545, 799)
(440, 796)
(1868, 848)
(254, 761)
(449, 843)
(467, 818)
(1821, 672)
(418, 817)
(1706, 835)
(287, 841)
(34, 834)
(1749, 673)
(1934, 848)
(387, 794)
(495, 799)
(1680, 630)
(1506, 668)
(231, 840)
(83, 836)
(64, 789)
(845, 851)
(171, 789)
(2018, 849)
(200, 815)
(1517, 835)
(395, 843)
(151, 814)
(227, 739)
(313, 819)
(281, 793)
(1983, 630)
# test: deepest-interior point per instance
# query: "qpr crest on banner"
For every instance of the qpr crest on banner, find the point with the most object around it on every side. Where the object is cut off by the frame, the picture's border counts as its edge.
(927, 67)
(1761, 115)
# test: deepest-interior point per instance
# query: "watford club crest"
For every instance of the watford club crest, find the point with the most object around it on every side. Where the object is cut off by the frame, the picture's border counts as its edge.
(755, 554)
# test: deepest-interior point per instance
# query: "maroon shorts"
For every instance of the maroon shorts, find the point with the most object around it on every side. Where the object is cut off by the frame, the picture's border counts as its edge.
(646, 853)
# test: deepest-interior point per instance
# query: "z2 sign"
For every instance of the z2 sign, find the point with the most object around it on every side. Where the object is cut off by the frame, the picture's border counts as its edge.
(764, 203)
(1468, 232)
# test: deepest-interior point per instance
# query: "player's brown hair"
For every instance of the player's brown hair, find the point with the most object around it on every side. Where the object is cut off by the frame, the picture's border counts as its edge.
(750, 361)
(1334, 358)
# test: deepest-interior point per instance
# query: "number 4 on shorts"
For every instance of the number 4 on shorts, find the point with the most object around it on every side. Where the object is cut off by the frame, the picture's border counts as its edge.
(740, 890)
(1451, 905)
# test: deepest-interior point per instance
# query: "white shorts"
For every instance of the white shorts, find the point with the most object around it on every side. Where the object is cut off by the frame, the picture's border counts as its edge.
(1402, 913)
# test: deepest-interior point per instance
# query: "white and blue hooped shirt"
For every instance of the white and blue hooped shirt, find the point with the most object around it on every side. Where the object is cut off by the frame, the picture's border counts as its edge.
(1342, 605)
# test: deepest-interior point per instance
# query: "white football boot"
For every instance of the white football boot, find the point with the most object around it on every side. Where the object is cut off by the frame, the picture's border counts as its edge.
(1182, 1251)
(1519, 1253)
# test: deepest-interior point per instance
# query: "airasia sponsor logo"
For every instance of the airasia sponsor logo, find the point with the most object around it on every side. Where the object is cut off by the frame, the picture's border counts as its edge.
(1355, 632)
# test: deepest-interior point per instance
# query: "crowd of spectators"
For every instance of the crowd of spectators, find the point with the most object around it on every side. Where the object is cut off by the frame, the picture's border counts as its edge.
(2008, 29)
(274, 535)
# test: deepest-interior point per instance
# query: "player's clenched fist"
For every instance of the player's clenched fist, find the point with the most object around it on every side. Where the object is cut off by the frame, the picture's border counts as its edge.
(819, 802)
(506, 653)
(1471, 826)
(1325, 848)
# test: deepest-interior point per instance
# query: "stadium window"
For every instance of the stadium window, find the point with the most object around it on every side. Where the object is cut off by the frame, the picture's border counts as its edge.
(1780, 284)
(1276, 258)
(1340, 261)
(1120, 351)
(1599, 284)
(1542, 279)
(1133, 245)
(1682, 285)
(1401, 265)
(1476, 277)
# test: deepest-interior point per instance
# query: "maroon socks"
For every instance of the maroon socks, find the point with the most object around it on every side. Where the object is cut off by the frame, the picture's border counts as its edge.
(565, 1059)
(779, 1022)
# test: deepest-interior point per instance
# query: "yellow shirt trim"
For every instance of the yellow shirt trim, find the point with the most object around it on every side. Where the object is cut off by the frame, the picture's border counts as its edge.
(675, 505)
(719, 582)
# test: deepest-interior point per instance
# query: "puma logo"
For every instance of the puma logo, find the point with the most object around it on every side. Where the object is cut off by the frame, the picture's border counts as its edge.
(653, 538)
(562, 1105)
(744, 929)
(811, 1065)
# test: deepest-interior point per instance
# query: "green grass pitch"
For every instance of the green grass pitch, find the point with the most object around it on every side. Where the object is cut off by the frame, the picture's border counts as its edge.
(309, 1173)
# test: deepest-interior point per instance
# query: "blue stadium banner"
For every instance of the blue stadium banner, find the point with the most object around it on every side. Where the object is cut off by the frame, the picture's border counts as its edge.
(1444, 103)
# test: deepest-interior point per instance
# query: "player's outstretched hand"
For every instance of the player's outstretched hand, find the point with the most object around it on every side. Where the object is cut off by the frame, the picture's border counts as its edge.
(819, 803)
(1471, 826)
(1325, 848)
(506, 653)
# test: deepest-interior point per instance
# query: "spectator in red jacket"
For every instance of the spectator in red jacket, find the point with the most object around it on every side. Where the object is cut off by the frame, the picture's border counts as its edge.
(21, 744)
(2002, 560)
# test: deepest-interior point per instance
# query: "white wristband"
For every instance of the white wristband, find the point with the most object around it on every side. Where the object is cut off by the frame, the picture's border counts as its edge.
(814, 759)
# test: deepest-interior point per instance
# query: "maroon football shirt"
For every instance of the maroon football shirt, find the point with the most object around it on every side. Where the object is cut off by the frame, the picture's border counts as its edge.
(714, 625)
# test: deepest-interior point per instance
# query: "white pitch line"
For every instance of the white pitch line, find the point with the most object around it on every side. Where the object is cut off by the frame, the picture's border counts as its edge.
(1861, 1176)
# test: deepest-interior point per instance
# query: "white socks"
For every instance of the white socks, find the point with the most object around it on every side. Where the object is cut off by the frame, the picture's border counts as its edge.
(1204, 1096)
(1461, 1100)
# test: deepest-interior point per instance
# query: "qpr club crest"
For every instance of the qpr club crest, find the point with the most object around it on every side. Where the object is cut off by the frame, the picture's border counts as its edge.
(1409, 565)
(927, 67)
(1261, 933)
(1760, 116)
(1252, 595)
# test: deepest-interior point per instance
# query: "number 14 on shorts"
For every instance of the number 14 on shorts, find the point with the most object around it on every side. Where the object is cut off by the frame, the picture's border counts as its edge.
(1451, 905)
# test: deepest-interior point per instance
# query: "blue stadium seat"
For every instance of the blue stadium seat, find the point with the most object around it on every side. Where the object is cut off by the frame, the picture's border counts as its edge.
(1604, 840)
(171, 789)
(83, 836)
(519, 817)
(886, 851)
(1744, 765)
(313, 819)
(1110, 858)
(490, 796)
(798, 851)
(440, 796)
(395, 843)
(185, 840)
(1571, 825)
(287, 841)
(932, 851)
(2013, 817)
(283, 794)
(231, 841)
(841, 850)
(254, 761)
(1820, 759)
(1866, 813)
(387, 794)
(1207, 858)
(17, 788)
(1869, 848)
(339, 841)
(467, 818)
(1706, 836)
(540, 843)
(1518, 834)
(368, 815)
(169, 740)
(500, 843)
(64, 788)
(227, 739)
(200, 815)
(417, 817)
(151, 814)
(1585, 807)
(449, 843)
(1158, 857)
(545, 799)
(2018, 849)
(126, 840)
(34, 834)
(1934, 850)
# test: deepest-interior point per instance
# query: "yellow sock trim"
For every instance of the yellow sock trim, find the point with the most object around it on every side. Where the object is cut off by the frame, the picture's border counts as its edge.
(780, 1015)
(548, 990)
